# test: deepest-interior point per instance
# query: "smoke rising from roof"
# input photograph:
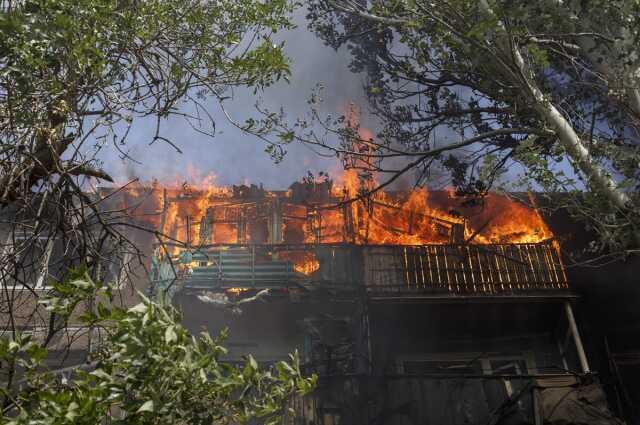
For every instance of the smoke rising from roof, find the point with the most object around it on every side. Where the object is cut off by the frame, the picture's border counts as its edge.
(233, 156)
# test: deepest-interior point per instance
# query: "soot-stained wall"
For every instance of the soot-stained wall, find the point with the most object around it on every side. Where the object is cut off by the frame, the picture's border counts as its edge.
(406, 331)
(268, 330)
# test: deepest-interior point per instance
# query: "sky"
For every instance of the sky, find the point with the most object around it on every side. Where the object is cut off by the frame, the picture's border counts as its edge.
(233, 156)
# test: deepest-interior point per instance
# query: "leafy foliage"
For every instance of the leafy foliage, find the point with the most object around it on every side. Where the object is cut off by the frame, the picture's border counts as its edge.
(76, 71)
(549, 87)
(75, 77)
(148, 370)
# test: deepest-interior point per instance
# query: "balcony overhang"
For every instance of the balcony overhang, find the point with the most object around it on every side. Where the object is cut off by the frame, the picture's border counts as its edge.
(391, 272)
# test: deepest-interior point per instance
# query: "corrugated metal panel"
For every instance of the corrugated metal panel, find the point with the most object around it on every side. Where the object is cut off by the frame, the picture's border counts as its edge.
(458, 269)
(237, 267)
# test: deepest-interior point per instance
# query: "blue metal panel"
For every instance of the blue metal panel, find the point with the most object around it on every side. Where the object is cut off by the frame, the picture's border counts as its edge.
(237, 267)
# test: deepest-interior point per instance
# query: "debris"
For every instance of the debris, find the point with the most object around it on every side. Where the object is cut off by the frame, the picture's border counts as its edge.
(220, 299)
(568, 401)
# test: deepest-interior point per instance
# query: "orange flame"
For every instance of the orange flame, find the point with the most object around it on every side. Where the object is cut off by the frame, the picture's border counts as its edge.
(411, 217)
(195, 211)
(214, 215)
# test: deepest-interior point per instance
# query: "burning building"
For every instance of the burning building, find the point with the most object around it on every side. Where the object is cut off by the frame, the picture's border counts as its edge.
(412, 306)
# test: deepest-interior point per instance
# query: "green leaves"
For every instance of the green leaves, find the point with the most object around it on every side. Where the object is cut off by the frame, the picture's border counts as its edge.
(22, 351)
(170, 335)
(78, 287)
(114, 61)
(152, 371)
(140, 308)
(481, 29)
(65, 63)
(147, 406)
(437, 71)
(539, 56)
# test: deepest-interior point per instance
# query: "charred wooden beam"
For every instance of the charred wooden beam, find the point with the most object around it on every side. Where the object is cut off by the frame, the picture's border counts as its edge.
(206, 227)
(275, 222)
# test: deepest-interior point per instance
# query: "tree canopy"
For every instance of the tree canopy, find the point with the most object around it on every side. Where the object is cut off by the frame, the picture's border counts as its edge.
(552, 87)
(75, 75)
(74, 72)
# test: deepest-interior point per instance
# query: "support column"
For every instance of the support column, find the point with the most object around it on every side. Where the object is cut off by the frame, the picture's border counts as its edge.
(165, 207)
(206, 227)
(242, 227)
(576, 337)
(188, 220)
(275, 223)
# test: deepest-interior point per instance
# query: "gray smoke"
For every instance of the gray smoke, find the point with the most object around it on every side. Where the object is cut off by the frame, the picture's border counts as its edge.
(233, 156)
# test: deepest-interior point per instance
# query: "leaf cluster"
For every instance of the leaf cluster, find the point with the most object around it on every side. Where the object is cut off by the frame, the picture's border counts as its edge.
(148, 370)
(443, 71)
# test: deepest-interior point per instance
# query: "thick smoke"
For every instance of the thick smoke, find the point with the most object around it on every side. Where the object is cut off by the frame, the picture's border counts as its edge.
(233, 156)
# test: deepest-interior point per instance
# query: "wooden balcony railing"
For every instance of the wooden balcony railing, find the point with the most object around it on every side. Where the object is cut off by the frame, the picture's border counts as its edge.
(474, 269)
(453, 269)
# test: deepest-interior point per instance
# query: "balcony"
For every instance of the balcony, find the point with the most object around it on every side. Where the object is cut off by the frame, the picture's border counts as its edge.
(382, 270)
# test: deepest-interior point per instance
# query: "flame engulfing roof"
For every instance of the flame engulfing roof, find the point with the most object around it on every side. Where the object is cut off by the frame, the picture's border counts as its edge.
(324, 212)
(246, 236)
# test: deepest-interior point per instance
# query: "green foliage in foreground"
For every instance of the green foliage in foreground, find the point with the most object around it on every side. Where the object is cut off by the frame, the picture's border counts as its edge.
(149, 370)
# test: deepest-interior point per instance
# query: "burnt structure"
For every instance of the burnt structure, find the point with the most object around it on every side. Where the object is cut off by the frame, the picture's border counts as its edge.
(412, 308)
(448, 330)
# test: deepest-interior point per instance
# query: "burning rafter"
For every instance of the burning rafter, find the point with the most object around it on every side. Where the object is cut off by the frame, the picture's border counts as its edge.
(317, 213)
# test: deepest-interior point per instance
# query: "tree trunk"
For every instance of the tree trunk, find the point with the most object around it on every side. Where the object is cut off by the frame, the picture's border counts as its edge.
(596, 176)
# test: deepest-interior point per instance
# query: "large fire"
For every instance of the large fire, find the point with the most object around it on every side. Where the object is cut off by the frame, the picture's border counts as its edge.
(324, 212)
(195, 212)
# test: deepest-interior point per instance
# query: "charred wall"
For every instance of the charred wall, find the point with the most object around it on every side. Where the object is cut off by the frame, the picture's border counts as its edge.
(607, 310)
(270, 331)
(481, 329)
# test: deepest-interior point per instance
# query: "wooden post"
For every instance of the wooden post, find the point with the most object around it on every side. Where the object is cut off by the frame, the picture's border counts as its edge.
(348, 224)
(457, 233)
(537, 414)
(275, 228)
(206, 227)
(242, 227)
(576, 338)
(165, 207)
(188, 231)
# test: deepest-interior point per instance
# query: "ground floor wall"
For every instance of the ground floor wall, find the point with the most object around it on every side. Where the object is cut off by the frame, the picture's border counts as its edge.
(273, 329)
(405, 363)
(451, 401)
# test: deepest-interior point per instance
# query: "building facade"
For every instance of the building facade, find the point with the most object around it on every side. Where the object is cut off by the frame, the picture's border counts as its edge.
(448, 332)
